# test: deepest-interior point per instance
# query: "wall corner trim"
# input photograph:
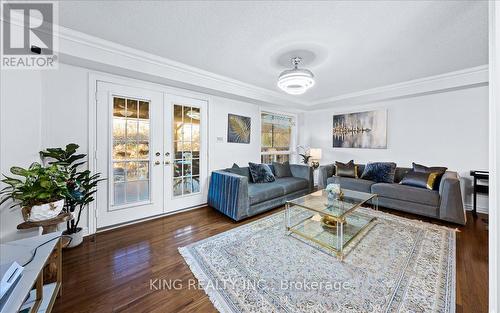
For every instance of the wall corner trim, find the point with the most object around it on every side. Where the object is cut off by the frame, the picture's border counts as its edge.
(466, 78)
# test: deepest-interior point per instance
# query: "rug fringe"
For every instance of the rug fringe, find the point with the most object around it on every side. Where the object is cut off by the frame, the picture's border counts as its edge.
(214, 296)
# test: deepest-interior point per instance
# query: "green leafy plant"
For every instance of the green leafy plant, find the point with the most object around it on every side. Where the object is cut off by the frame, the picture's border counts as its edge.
(304, 155)
(81, 185)
(305, 158)
(36, 185)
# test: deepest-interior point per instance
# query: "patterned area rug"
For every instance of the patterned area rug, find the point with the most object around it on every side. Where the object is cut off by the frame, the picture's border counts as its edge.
(400, 265)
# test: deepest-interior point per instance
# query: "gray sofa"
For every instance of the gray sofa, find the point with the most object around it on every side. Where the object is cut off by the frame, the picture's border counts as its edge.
(444, 204)
(237, 197)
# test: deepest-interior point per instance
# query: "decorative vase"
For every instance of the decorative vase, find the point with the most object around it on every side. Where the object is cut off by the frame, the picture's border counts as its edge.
(331, 197)
(42, 212)
(76, 238)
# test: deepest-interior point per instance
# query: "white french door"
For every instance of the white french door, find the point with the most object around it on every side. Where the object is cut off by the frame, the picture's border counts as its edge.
(151, 148)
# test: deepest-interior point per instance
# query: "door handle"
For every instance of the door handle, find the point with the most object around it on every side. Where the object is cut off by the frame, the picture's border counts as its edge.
(167, 162)
(157, 162)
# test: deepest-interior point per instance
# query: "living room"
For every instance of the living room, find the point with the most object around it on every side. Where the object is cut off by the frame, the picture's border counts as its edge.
(256, 156)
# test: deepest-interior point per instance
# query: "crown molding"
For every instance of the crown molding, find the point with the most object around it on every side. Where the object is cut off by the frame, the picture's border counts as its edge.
(469, 77)
(77, 48)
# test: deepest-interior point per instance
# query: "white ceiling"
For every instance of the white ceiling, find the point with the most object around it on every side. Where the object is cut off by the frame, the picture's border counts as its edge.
(349, 45)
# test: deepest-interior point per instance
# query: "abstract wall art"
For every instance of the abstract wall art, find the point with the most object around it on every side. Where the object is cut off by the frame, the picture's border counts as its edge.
(360, 130)
(238, 128)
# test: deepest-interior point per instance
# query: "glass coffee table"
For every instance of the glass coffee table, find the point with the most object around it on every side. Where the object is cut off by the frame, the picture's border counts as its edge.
(332, 224)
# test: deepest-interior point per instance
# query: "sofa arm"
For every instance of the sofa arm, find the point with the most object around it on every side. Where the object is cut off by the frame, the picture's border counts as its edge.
(325, 171)
(303, 171)
(451, 207)
(228, 194)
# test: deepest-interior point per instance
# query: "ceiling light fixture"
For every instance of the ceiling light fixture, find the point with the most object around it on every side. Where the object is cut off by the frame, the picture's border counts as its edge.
(296, 81)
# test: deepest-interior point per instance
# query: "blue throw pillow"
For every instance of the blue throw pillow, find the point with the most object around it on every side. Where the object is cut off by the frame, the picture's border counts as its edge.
(380, 172)
(242, 171)
(261, 173)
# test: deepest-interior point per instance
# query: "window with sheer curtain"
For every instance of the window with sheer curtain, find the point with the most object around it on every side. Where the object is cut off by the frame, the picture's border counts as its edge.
(276, 137)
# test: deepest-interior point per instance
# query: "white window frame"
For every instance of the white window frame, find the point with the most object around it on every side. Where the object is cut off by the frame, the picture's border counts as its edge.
(293, 137)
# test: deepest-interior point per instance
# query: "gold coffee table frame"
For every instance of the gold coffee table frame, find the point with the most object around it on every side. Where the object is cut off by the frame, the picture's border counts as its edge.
(330, 219)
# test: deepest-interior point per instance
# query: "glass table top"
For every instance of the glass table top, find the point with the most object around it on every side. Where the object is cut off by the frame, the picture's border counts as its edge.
(318, 201)
(313, 229)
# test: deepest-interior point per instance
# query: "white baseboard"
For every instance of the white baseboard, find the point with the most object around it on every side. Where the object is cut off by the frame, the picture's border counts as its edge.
(147, 219)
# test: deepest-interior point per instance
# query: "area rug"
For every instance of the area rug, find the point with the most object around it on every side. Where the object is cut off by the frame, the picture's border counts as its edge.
(399, 265)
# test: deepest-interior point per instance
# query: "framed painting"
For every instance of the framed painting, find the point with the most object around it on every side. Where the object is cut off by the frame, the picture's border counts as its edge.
(366, 130)
(238, 128)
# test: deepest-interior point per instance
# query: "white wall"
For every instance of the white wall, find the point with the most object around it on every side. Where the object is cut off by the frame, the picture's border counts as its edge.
(20, 136)
(221, 153)
(65, 111)
(448, 129)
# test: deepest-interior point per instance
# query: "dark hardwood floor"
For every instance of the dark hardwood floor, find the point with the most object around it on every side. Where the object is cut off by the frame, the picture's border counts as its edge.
(113, 273)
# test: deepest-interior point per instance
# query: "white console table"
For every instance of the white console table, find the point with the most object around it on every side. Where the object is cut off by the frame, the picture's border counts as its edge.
(23, 296)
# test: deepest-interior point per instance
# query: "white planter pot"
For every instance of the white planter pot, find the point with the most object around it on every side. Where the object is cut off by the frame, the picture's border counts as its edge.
(76, 238)
(45, 211)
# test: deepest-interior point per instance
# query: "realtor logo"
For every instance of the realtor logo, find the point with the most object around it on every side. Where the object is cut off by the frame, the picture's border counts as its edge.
(28, 40)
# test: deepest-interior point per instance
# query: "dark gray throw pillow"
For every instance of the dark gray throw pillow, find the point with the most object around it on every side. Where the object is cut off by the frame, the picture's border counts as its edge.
(420, 179)
(242, 171)
(440, 170)
(261, 173)
(348, 169)
(380, 172)
(282, 169)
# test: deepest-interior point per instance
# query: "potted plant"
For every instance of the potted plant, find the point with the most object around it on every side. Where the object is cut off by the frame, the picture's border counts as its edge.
(304, 155)
(80, 185)
(39, 191)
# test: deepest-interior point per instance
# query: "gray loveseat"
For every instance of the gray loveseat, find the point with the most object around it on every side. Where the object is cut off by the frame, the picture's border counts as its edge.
(237, 197)
(444, 204)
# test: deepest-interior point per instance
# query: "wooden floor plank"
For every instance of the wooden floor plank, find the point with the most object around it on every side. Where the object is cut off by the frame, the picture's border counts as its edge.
(113, 273)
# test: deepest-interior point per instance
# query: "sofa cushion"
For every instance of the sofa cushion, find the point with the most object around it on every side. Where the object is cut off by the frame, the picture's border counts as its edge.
(440, 170)
(420, 180)
(292, 184)
(242, 171)
(261, 173)
(380, 172)
(400, 173)
(356, 184)
(261, 192)
(348, 169)
(407, 193)
(282, 169)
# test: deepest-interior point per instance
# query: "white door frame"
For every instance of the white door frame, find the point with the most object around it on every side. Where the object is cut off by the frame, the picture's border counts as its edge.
(192, 199)
(494, 155)
(93, 78)
(113, 214)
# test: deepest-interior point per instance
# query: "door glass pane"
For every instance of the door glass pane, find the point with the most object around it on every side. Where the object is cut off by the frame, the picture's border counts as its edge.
(186, 130)
(187, 182)
(177, 186)
(131, 191)
(196, 166)
(178, 168)
(119, 193)
(130, 150)
(132, 109)
(143, 190)
(196, 184)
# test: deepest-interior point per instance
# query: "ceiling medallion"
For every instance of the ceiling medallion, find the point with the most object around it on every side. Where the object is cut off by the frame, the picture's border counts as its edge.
(296, 81)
